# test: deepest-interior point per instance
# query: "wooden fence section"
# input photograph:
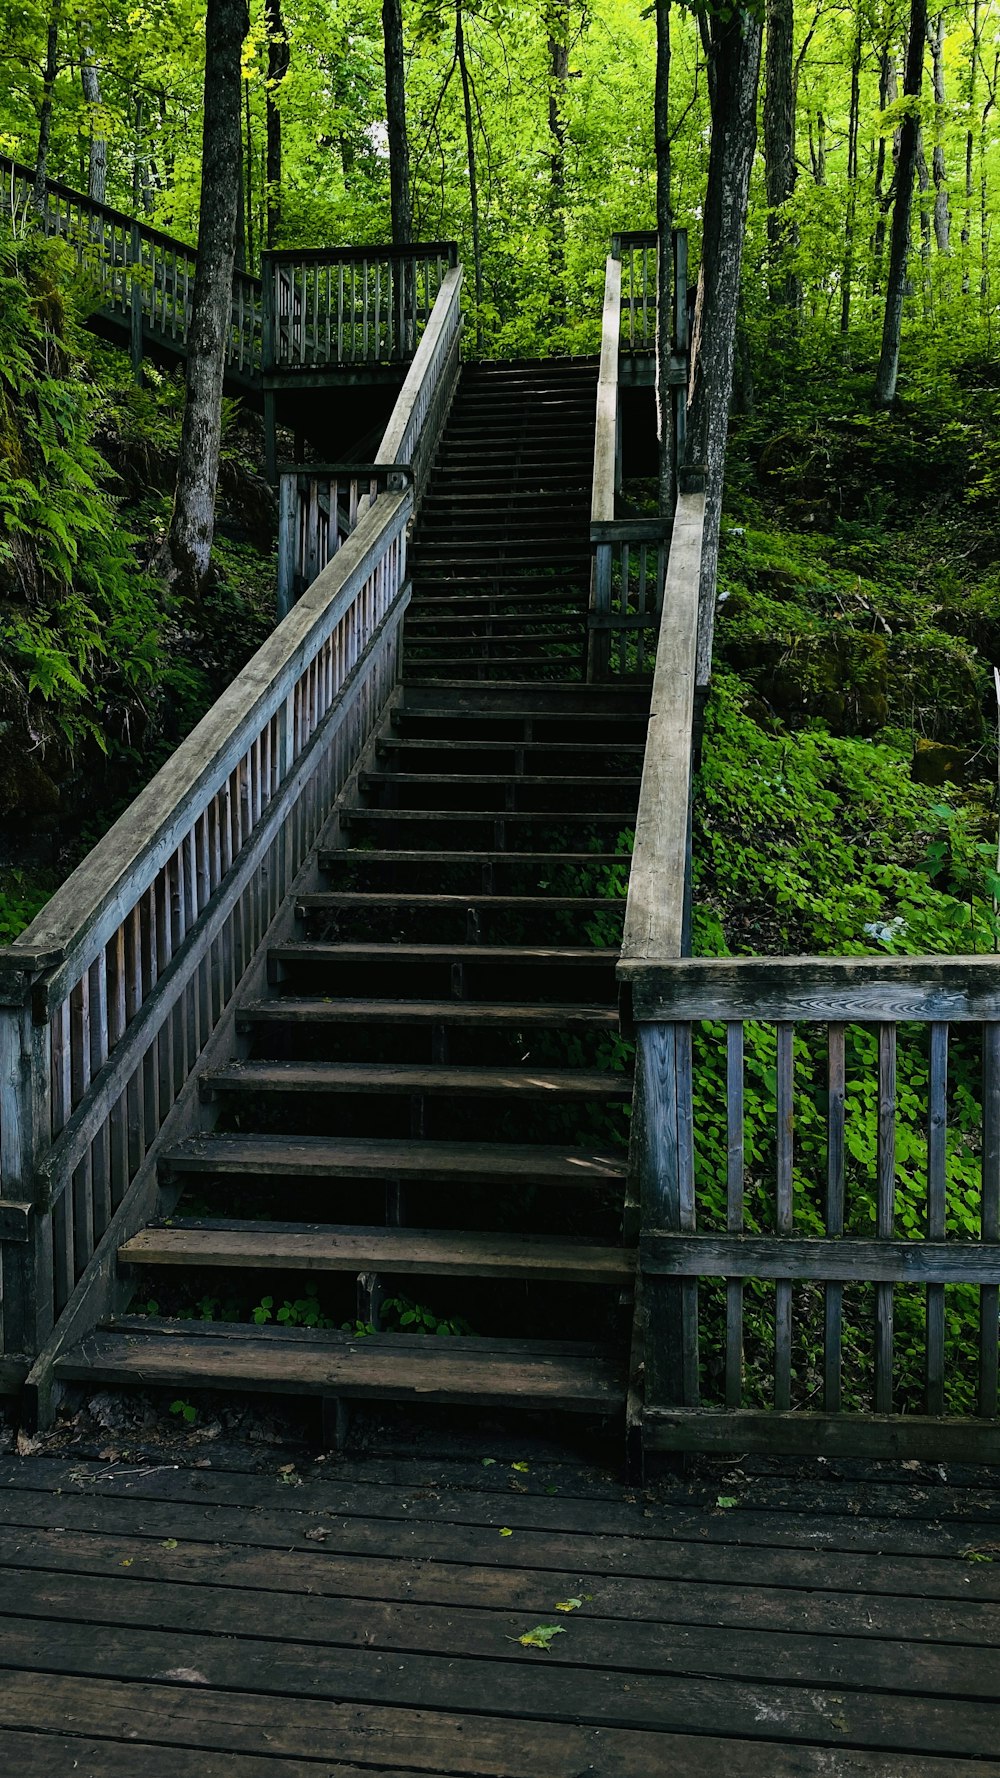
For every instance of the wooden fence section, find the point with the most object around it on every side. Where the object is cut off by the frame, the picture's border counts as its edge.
(319, 506)
(145, 277)
(123, 987)
(350, 305)
(847, 1275)
(630, 552)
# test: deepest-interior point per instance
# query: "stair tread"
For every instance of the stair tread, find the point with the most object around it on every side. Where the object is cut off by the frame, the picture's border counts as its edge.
(407, 816)
(291, 1008)
(347, 1248)
(487, 1373)
(320, 951)
(335, 898)
(530, 779)
(409, 854)
(404, 1077)
(374, 1157)
(431, 744)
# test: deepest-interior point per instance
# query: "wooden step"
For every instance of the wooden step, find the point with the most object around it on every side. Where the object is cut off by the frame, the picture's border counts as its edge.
(438, 1081)
(356, 1157)
(289, 1009)
(431, 1253)
(482, 1373)
(376, 819)
(329, 860)
(587, 751)
(329, 900)
(488, 956)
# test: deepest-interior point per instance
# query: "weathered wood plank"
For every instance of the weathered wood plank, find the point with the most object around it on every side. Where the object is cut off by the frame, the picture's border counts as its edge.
(834, 1435)
(845, 1258)
(821, 990)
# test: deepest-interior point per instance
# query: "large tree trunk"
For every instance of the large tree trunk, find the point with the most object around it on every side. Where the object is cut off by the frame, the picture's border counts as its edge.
(470, 149)
(735, 45)
(779, 147)
(189, 544)
(854, 117)
(557, 20)
(49, 75)
(664, 260)
(97, 161)
(942, 214)
(278, 58)
(395, 111)
(887, 94)
(892, 327)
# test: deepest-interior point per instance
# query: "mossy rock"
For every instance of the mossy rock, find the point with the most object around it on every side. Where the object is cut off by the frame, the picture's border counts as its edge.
(940, 762)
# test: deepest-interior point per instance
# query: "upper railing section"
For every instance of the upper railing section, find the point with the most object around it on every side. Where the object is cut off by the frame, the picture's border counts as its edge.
(346, 306)
(320, 504)
(145, 277)
(630, 552)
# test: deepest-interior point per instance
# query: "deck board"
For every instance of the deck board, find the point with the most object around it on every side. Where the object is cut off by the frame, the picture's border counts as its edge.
(364, 1617)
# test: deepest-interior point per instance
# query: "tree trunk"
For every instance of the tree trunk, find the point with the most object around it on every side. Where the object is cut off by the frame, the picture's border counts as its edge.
(278, 58)
(736, 46)
(470, 148)
(97, 160)
(49, 75)
(395, 111)
(779, 148)
(886, 96)
(852, 176)
(664, 260)
(189, 543)
(557, 21)
(942, 213)
(892, 327)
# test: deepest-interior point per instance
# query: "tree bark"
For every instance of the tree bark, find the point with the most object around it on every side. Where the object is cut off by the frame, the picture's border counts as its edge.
(97, 160)
(886, 96)
(395, 111)
(854, 118)
(892, 327)
(557, 21)
(49, 75)
(942, 213)
(278, 59)
(779, 148)
(664, 260)
(736, 46)
(192, 525)
(470, 148)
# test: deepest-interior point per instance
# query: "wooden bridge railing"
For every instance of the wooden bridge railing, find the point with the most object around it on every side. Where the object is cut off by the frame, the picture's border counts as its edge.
(350, 305)
(810, 1260)
(145, 277)
(630, 552)
(122, 989)
(320, 504)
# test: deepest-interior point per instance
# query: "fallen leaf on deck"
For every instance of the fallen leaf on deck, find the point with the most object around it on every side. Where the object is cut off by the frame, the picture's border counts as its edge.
(169, 1543)
(541, 1636)
(727, 1500)
(568, 1604)
(505, 1531)
(522, 1468)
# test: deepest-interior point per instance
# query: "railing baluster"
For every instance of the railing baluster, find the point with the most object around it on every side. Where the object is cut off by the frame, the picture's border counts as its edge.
(833, 1296)
(734, 1207)
(784, 1209)
(937, 1137)
(885, 1211)
(989, 1295)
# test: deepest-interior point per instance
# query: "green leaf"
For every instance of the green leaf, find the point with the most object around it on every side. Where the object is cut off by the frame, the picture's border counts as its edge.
(541, 1636)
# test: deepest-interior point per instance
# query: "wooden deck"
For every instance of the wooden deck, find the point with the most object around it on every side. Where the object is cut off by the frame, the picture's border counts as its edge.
(341, 1618)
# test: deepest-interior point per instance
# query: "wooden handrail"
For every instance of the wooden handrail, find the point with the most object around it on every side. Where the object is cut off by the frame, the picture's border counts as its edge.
(433, 372)
(846, 990)
(446, 250)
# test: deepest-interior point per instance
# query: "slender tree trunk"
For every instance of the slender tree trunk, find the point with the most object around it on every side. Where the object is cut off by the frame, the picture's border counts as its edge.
(736, 46)
(470, 149)
(942, 213)
(248, 180)
(97, 159)
(852, 177)
(49, 75)
(278, 58)
(192, 525)
(664, 260)
(557, 21)
(924, 189)
(395, 110)
(779, 149)
(886, 96)
(892, 327)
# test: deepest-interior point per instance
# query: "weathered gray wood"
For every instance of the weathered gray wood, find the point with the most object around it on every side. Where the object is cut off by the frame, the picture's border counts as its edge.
(821, 990)
(847, 1258)
(829, 1435)
(833, 1296)
(885, 1211)
(654, 917)
(734, 1208)
(937, 1131)
(989, 1298)
(784, 1163)
(602, 508)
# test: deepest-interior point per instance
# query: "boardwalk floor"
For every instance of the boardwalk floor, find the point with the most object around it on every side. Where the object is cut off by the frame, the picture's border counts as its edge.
(365, 1617)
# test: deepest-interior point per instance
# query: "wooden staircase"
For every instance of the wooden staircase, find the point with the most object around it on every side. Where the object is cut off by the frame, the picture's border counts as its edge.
(432, 1094)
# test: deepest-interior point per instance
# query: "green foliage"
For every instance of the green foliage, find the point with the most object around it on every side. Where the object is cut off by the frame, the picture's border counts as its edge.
(400, 1314)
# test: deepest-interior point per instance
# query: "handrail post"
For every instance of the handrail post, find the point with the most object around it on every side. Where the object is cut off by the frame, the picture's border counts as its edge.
(267, 361)
(288, 503)
(135, 300)
(25, 1277)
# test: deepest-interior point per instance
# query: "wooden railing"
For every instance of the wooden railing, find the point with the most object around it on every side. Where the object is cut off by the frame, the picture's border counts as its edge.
(145, 277)
(320, 504)
(350, 305)
(122, 989)
(629, 552)
(833, 1243)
